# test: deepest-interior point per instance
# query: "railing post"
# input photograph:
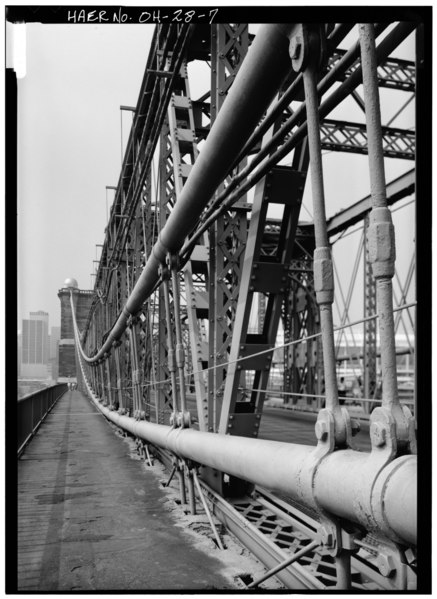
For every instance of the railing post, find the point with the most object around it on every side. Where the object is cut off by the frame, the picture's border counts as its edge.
(32, 410)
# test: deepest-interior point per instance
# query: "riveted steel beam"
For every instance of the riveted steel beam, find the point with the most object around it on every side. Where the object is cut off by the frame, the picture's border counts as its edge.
(397, 189)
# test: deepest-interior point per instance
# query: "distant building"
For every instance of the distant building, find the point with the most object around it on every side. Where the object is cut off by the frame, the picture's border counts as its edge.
(82, 300)
(55, 335)
(35, 346)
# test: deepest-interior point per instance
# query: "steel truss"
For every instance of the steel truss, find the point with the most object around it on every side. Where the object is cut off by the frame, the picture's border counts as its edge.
(191, 299)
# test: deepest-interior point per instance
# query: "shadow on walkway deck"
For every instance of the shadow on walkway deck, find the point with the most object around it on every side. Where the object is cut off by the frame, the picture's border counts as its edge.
(92, 518)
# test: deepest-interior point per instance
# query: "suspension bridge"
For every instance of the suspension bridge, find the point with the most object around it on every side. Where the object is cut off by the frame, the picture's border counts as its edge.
(234, 337)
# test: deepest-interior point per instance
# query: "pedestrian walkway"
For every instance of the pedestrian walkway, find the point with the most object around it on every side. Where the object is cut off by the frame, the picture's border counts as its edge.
(92, 519)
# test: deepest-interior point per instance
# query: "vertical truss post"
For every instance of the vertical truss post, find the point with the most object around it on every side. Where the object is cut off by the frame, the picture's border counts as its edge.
(96, 380)
(263, 275)
(148, 362)
(229, 45)
(93, 378)
(135, 368)
(99, 390)
(108, 379)
(118, 373)
(126, 369)
(167, 199)
(99, 381)
(171, 355)
(182, 140)
(163, 387)
(147, 341)
(184, 419)
(301, 321)
(369, 338)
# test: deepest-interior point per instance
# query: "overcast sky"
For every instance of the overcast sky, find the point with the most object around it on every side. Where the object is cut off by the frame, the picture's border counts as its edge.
(69, 149)
(69, 138)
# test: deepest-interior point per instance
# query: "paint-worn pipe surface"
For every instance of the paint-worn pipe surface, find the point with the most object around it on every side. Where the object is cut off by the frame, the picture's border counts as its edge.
(397, 500)
(276, 466)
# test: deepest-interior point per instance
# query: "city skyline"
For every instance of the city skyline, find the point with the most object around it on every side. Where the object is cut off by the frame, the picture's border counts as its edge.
(38, 343)
(35, 346)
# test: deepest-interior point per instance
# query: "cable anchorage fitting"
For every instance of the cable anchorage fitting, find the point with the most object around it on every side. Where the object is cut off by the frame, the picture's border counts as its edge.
(308, 46)
(183, 419)
(136, 376)
(172, 261)
(132, 320)
(164, 272)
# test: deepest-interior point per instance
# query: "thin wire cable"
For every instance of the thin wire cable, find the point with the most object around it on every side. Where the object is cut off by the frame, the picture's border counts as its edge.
(345, 233)
(284, 345)
(346, 302)
(121, 136)
(401, 109)
(291, 393)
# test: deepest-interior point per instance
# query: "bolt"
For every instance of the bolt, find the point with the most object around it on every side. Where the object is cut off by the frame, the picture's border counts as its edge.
(378, 434)
(410, 556)
(295, 47)
(356, 427)
(321, 430)
(386, 565)
(326, 537)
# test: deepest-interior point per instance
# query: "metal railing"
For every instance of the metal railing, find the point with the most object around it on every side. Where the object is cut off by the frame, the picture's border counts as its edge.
(32, 409)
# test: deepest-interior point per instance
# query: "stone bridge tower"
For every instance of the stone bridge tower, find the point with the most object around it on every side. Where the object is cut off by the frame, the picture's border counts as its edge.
(68, 363)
